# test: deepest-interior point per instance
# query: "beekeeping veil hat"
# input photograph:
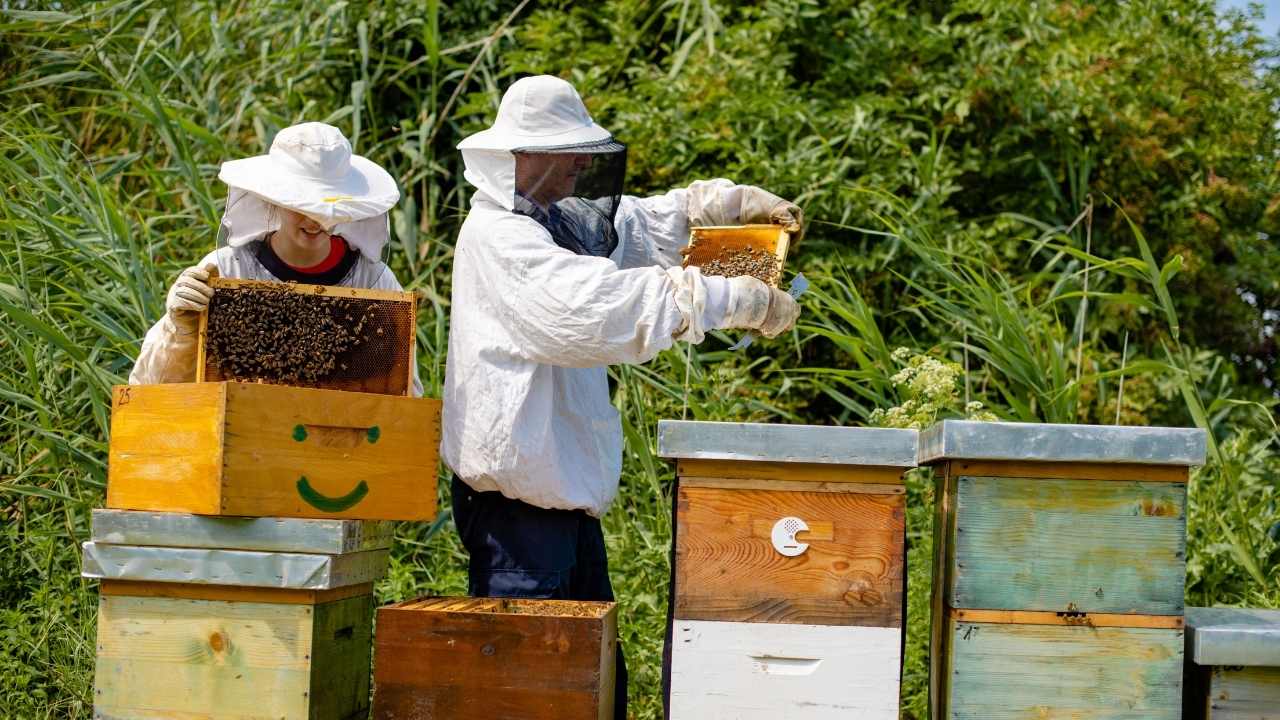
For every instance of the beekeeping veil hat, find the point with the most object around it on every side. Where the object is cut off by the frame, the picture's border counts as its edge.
(310, 169)
(544, 115)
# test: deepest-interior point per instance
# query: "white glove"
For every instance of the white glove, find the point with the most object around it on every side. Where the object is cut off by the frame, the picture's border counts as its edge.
(717, 202)
(189, 296)
(754, 305)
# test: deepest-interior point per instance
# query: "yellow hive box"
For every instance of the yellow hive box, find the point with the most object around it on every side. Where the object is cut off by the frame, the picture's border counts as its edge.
(260, 450)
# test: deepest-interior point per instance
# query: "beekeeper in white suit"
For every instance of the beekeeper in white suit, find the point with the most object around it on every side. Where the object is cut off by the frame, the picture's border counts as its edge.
(308, 211)
(557, 275)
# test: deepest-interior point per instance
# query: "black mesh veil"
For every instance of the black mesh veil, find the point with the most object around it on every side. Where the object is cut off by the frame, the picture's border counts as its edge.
(573, 191)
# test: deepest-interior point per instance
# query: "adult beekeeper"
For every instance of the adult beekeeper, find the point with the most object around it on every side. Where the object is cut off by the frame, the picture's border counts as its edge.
(308, 211)
(557, 275)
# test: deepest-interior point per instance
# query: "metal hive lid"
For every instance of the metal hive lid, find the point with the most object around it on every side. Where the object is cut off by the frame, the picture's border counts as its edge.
(1233, 636)
(1043, 442)
(762, 442)
(292, 535)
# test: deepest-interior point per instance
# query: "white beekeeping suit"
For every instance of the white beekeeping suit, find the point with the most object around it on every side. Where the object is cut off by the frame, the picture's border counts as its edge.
(310, 169)
(544, 298)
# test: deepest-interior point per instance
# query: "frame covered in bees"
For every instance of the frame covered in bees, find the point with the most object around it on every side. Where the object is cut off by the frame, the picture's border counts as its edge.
(317, 336)
(732, 250)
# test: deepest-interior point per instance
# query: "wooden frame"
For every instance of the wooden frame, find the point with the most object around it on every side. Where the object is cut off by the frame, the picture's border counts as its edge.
(706, 241)
(394, 296)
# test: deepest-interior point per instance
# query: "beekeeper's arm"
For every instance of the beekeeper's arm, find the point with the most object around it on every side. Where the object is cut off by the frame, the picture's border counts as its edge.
(653, 230)
(387, 281)
(582, 311)
(168, 353)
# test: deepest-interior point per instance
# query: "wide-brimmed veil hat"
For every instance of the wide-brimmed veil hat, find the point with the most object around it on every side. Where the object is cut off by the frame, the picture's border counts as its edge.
(311, 170)
(538, 114)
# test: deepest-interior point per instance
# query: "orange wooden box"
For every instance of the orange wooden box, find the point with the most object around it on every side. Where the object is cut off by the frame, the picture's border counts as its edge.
(259, 450)
(494, 659)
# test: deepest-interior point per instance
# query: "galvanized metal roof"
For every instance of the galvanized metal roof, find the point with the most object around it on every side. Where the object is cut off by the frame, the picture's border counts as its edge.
(297, 535)
(297, 571)
(1233, 636)
(761, 442)
(1041, 442)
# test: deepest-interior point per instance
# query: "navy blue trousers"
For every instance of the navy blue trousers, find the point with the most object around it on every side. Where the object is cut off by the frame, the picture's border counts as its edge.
(520, 550)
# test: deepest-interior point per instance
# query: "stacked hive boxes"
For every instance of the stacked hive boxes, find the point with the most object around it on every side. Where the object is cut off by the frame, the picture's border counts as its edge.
(246, 529)
(1059, 569)
(789, 580)
(1233, 664)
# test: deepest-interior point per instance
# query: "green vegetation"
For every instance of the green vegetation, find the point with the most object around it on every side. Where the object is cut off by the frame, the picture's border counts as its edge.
(974, 170)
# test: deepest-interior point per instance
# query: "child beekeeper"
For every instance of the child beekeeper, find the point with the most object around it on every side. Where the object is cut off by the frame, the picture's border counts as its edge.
(308, 211)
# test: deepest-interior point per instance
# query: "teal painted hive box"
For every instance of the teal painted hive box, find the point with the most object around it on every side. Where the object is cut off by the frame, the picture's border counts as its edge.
(1059, 566)
(1233, 664)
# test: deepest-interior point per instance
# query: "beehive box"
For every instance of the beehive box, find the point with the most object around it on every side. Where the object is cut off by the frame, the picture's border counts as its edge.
(249, 449)
(789, 579)
(277, 656)
(1233, 664)
(1059, 569)
(320, 336)
(233, 617)
(731, 250)
(495, 659)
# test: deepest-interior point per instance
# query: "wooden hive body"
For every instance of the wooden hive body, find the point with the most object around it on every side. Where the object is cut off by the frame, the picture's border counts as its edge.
(495, 659)
(1059, 570)
(271, 450)
(164, 657)
(233, 617)
(1232, 664)
(768, 620)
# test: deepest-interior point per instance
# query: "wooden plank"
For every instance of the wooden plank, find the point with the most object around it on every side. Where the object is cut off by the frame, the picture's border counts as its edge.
(793, 485)
(478, 665)
(1014, 672)
(342, 646)
(804, 472)
(796, 672)
(1023, 617)
(330, 290)
(1244, 693)
(359, 455)
(727, 568)
(161, 658)
(943, 562)
(166, 447)
(1094, 546)
(231, 593)
(1079, 471)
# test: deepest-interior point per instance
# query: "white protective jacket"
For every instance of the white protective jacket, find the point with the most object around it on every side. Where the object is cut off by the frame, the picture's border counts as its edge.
(533, 328)
(169, 355)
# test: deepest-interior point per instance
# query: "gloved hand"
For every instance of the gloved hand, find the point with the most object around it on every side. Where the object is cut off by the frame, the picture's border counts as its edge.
(754, 305)
(719, 202)
(189, 296)
(761, 206)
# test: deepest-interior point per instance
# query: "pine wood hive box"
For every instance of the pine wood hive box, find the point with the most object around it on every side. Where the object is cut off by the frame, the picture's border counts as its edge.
(1233, 664)
(495, 659)
(233, 617)
(260, 450)
(789, 574)
(1059, 566)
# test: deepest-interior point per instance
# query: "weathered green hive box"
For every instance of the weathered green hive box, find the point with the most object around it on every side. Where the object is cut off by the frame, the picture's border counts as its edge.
(1059, 569)
(1233, 664)
(237, 618)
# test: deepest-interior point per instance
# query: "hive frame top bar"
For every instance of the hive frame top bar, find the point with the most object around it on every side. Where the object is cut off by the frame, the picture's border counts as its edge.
(168, 529)
(757, 442)
(1233, 636)
(1041, 442)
